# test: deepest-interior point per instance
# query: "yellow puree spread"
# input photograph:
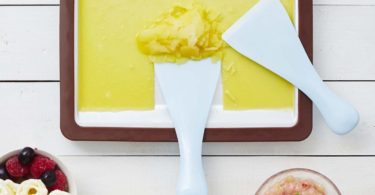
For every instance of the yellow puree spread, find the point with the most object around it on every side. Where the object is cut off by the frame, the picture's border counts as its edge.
(185, 32)
(116, 38)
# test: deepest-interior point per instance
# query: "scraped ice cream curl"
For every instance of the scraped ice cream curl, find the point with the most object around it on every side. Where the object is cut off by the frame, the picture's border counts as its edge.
(7, 187)
(296, 186)
(27, 187)
(186, 32)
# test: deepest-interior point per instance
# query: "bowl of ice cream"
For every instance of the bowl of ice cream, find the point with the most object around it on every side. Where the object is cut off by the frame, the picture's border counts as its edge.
(32, 171)
(298, 182)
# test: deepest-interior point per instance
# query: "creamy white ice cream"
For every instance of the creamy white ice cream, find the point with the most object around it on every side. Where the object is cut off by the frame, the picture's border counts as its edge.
(8, 187)
(32, 187)
(58, 192)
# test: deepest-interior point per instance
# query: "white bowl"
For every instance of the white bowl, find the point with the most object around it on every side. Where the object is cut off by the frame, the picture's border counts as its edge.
(71, 183)
(325, 182)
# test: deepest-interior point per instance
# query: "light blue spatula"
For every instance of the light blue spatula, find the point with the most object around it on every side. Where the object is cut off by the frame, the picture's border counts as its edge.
(266, 35)
(188, 90)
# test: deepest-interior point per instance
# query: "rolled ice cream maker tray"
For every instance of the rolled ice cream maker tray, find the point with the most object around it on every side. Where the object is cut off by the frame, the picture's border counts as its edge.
(224, 125)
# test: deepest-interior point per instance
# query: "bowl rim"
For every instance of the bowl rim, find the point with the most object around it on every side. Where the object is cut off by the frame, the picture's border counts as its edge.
(71, 181)
(298, 169)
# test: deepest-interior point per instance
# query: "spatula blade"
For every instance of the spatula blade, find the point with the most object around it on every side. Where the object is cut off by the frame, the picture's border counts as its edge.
(188, 90)
(266, 35)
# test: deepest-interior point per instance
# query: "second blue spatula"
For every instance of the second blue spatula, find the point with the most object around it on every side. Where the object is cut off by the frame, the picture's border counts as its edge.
(266, 35)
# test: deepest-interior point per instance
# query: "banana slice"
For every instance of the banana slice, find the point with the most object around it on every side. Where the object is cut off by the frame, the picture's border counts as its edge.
(32, 187)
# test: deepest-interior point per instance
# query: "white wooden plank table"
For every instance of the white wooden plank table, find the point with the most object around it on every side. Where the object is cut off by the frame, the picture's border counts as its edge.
(344, 55)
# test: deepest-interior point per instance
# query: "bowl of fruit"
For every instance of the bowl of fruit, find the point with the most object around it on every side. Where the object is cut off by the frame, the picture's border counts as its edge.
(34, 172)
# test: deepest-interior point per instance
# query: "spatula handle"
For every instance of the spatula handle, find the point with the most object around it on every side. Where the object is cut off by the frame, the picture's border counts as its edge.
(339, 115)
(191, 179)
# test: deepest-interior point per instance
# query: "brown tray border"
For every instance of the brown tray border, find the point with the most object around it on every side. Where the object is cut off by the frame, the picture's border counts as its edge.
(73, 131)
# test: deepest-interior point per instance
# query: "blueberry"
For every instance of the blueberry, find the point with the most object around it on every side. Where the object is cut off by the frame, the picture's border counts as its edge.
(3, 173)
(49, 178)
(26, 156)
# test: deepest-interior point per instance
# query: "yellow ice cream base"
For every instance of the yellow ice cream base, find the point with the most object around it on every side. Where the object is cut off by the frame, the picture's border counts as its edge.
(114, 74)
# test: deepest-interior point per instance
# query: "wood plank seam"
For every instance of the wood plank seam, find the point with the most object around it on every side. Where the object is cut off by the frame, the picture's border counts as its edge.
(29, 5)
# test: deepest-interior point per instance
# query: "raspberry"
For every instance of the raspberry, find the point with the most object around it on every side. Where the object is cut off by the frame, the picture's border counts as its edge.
(40, 165)
(15, 168)
(61, 182)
